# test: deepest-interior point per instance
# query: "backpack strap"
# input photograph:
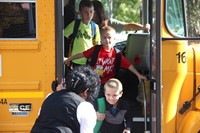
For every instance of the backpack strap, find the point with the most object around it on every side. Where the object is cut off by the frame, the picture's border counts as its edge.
(91, 61)
(75, 30)
(76, 26)
(118, 61)
(93, 26)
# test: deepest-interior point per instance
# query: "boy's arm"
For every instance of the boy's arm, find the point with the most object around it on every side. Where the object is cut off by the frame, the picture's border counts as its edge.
(127, 118)
(77, 56)
(127, 65)
(133, 70)
(136, 26)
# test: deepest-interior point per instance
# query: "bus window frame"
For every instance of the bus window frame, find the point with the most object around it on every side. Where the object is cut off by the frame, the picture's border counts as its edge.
(184, 21)
(18, 1)
(35, 30)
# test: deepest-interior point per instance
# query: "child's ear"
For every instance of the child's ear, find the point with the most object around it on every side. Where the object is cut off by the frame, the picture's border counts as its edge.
(121, 93)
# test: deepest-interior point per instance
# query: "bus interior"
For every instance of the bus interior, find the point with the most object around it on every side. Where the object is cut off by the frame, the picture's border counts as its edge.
(31, 57)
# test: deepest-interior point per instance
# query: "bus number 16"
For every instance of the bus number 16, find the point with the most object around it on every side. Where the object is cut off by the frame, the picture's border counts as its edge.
(181, 57)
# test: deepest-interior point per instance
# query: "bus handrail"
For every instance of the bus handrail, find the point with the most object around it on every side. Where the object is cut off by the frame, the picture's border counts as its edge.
(145, 106)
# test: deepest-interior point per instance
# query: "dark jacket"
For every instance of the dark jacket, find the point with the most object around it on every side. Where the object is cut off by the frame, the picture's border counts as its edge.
(117, 119)
(58, 114)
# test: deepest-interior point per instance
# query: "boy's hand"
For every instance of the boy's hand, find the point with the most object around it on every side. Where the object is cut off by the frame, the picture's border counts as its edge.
(147, 27)
(65, 60)
(141, 77)
(100, 116)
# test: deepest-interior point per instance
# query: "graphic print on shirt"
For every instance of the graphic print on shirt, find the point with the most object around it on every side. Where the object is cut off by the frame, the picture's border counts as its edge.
(105, 65)
(85, 35)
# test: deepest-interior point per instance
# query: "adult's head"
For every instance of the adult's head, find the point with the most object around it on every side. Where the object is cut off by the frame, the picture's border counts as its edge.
(84, 81)
(86, 10)
(99, 14)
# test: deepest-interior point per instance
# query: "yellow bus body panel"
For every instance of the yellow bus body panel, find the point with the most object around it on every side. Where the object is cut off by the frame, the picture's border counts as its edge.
(190, 123)
(27, 71)
(180, 79)
(173, 77)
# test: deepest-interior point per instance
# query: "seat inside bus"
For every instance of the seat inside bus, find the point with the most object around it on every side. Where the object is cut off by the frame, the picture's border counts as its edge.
(138, 50)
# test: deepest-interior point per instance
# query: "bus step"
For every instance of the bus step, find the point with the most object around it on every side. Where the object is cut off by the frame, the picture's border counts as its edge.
(140, 119)
(139, 125)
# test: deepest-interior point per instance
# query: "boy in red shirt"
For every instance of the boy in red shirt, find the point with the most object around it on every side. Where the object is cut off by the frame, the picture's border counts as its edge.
(105, 64)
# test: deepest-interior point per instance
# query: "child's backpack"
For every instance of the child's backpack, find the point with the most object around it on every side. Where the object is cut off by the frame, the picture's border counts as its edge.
(91, 61)
(69, 41)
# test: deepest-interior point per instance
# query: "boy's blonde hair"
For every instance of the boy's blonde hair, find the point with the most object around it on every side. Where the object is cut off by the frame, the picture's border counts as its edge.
(114, 83)
(107, 28)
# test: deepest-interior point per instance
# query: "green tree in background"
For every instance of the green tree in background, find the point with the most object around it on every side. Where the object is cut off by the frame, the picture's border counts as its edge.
(193, 18)
(129, 11)
(124, 10)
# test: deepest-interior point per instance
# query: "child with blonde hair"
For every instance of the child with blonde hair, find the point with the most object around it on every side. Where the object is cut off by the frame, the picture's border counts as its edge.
(117, 118)
(106, 61)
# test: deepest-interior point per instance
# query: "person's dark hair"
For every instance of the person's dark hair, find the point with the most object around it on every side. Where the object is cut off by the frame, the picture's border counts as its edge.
(81, 78)
(99, 9)
(85, 3)
(72, 2)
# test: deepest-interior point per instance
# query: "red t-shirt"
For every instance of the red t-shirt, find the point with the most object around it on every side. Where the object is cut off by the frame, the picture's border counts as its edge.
(105, 64)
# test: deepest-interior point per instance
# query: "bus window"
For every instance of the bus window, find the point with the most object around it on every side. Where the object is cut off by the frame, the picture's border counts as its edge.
(17, 20)
(123, 10)
(174, 17)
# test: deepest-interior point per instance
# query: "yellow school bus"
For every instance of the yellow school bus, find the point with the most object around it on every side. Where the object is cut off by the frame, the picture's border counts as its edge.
(32, 51)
